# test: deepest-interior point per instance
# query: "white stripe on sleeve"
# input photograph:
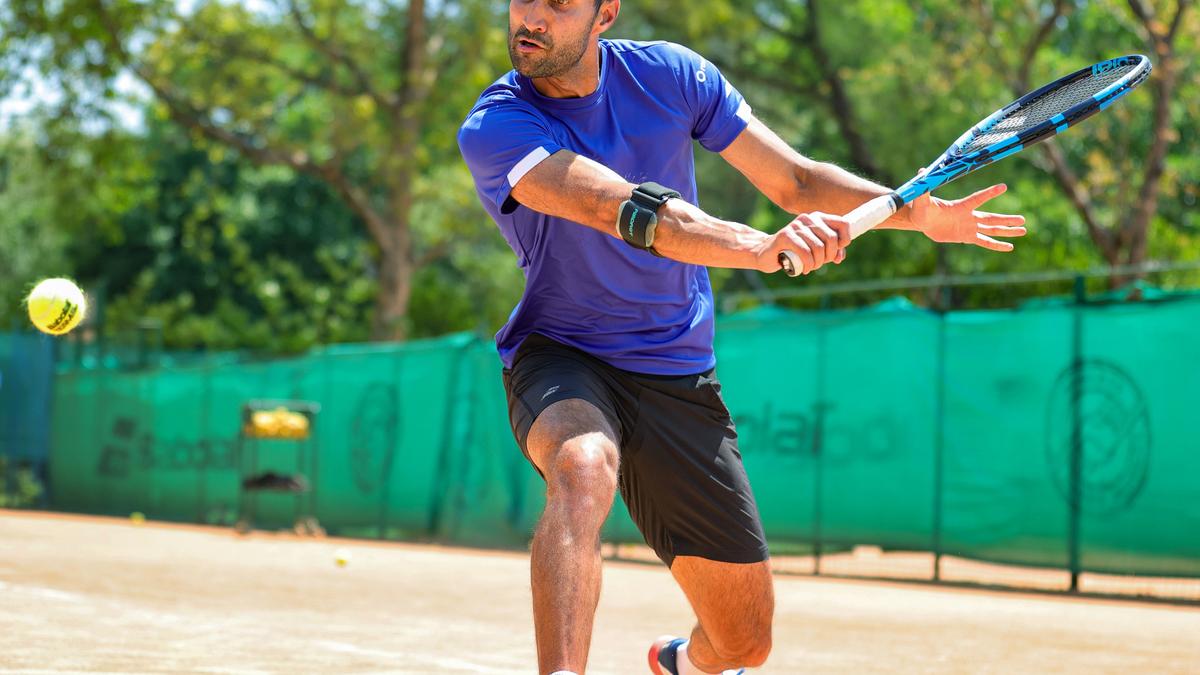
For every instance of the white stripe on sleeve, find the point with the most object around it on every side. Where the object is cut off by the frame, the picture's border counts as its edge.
(526, 165)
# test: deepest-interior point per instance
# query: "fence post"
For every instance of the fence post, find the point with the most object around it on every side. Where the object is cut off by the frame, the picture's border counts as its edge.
(819, 408)
(399, 354)
(1075, 487)
(206, 444)
(940, 436)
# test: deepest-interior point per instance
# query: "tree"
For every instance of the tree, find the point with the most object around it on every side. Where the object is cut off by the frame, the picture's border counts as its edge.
(31, 247)
(881, 86)
(1116, 193)
(220, 253)
(342, 93)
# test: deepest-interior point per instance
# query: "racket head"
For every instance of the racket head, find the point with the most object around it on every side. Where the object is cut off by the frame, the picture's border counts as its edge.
(1036, 116)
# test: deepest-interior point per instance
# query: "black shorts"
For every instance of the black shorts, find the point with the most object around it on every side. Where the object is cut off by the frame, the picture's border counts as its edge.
(681, 474)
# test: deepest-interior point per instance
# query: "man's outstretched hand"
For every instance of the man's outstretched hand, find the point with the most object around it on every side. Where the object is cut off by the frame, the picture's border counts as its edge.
(959, 221)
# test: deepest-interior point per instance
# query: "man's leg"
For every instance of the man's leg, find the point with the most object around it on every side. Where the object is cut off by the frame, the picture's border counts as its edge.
(575, 448)
(734, 604)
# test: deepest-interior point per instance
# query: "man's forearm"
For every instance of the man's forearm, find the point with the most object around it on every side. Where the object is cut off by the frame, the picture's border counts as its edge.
(688, 234)
(821, 186)
(579, 189)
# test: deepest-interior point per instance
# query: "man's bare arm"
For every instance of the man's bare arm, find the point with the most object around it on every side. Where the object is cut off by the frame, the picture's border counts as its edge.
(573, 187)
(797, 184)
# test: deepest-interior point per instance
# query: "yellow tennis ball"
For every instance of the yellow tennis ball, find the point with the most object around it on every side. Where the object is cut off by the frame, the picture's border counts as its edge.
(341, 557)
(56, 306)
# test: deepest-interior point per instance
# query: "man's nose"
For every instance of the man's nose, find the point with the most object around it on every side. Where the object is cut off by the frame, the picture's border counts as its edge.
(534, 17)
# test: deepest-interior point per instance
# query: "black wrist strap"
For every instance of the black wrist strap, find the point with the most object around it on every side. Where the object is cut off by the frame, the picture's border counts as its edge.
(652, 195)
(639, 216)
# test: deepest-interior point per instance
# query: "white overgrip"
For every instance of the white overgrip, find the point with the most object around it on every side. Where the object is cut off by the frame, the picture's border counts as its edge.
(870, 214)
(861, 219)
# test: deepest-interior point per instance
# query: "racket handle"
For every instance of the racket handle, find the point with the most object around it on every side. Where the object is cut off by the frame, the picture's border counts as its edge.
(861, 219)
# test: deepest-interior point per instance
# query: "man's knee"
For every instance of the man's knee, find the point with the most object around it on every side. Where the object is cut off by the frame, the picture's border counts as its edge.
(584, 468)
(746, 648)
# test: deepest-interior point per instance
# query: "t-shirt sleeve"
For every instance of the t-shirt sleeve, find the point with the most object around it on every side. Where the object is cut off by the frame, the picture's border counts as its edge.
(719, 113)
(501, 142)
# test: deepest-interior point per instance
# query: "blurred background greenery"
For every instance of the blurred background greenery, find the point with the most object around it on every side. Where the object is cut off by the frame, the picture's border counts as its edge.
(276, 174)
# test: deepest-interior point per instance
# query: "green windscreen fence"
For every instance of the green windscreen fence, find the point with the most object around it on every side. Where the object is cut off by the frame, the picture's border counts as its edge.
(1054, 435)
(26, 385)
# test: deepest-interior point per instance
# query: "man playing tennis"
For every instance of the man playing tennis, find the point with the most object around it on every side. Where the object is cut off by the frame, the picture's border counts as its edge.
(583, 157)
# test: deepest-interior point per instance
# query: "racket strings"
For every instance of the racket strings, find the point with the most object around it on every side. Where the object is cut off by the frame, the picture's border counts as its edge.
(1053, 102)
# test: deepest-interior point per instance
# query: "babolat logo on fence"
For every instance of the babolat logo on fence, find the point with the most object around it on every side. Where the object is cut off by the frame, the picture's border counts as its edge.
(1114, 432)
(128, 448)
(816, 431)
(374, 434)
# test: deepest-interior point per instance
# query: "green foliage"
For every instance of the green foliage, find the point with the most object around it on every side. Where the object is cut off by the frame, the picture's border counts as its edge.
(332, 90)
(917, 76)
(225, 249)
(225, 255)
(31, 242)
(19, 486)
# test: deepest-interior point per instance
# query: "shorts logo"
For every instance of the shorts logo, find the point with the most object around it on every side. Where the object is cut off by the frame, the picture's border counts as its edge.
(549, 391)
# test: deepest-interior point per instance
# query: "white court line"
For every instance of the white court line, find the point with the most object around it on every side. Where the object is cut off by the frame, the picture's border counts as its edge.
(441, 662)
(43, 592)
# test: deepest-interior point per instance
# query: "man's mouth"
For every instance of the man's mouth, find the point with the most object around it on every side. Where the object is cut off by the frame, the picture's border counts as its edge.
(526, 46)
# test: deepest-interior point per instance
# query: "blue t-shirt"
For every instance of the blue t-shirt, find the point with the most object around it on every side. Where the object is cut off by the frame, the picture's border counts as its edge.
(584, 288)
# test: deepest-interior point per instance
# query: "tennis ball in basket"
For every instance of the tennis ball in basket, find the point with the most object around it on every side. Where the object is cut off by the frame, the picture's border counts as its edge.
(56, 306)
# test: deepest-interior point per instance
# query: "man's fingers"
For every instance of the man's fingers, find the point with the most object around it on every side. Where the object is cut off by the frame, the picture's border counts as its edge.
(841, 255)
(834, 232)
(1002, 230)
(816, 239)
(839, 225)
(799, 244)
(991, 244)
(987, 218)
(977, 199)
(817, 246)
(821, 225)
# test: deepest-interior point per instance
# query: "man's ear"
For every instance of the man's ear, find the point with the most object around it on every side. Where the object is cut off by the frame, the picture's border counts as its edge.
(607, 15)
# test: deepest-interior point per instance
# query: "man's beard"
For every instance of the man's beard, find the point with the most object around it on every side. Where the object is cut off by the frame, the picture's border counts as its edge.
(550, 61)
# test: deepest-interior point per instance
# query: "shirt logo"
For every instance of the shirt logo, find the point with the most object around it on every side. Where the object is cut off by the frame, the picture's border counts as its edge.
(549, 391)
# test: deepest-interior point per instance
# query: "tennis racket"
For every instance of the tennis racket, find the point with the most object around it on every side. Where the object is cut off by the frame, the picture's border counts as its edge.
(1030, 119)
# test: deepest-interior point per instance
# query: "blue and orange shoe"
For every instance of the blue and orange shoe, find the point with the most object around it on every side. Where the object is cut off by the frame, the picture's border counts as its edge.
(665, 652)
(662, 655)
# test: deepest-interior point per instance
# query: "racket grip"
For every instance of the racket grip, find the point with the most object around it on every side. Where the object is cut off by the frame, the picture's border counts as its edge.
(871, 214)
(861, 219)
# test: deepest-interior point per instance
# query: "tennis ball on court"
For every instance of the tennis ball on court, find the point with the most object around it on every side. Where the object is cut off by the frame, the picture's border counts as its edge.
(137, 517)
(341, 557)
(56, 306)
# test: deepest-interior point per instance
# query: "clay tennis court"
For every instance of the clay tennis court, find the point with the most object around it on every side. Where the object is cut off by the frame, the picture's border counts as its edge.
(96, 594)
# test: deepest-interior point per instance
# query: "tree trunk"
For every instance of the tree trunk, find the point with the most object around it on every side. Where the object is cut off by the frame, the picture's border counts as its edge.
(839, 99)
(396, 260)
(1135, 233)
(396, 271)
